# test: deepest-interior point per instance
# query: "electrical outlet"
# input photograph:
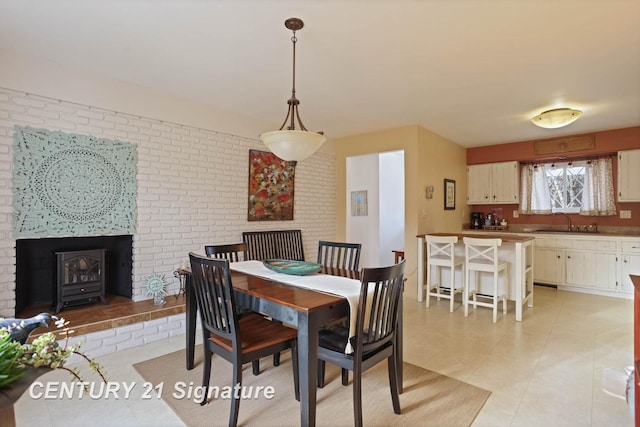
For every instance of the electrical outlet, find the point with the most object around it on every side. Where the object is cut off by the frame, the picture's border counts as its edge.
(516, 214)
(625, 214)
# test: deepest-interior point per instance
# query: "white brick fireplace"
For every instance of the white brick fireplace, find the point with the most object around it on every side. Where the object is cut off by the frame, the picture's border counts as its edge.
(191, 186)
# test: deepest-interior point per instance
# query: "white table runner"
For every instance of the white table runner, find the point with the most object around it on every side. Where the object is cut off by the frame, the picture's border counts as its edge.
(335, 285)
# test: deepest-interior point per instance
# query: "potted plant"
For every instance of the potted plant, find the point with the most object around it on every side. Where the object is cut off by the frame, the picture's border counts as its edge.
(22, 362)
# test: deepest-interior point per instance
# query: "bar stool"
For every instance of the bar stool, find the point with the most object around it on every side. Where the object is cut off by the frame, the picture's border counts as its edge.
(441, 254)
(481, 255)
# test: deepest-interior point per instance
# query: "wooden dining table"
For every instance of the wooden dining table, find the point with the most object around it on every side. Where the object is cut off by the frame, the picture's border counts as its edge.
(302, 308)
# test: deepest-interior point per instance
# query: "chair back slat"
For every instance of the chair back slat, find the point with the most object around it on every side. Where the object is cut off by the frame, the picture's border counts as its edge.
(339, 254)
(279, 244)
(380, 293)
(214, 295)
(233, 252)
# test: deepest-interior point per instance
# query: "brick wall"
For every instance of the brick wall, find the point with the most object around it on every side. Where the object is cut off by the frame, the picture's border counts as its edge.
(96, 344)
(192, 186)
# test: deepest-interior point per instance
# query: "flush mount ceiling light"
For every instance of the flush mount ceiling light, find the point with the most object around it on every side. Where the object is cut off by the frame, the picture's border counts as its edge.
(556, 118)
(293, 144)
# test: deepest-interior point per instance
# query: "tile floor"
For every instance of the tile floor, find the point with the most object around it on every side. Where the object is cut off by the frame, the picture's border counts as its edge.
(546, 371)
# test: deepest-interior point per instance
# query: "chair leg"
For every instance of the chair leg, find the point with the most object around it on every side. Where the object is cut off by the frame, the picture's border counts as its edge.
(345, 376)
(357, 395)
(393, 383)
(296, 373)
(206, 373)
(235, 400)
(452, 292)
(506, 287)
(428, 284)
(321, 366)
(496, 297)
(465, 294)
(255, 365)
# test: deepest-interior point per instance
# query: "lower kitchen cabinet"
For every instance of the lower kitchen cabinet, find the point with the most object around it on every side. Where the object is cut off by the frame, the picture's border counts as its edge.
(549, 266)
(595, 270)
(630, 265)
(587, 263)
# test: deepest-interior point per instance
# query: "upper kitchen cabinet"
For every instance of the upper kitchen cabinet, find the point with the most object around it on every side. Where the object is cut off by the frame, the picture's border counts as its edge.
(629, 176)
(493, 183)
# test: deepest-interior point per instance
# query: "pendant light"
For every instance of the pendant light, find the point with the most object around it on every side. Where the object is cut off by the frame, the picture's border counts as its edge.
(289, 143)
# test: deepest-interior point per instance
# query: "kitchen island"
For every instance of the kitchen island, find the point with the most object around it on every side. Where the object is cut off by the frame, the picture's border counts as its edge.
(517, 250)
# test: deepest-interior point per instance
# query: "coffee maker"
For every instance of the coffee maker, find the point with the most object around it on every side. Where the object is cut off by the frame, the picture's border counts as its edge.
(477, 219)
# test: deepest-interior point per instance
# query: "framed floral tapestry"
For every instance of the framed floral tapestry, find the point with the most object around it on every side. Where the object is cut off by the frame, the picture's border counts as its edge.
(270, 187)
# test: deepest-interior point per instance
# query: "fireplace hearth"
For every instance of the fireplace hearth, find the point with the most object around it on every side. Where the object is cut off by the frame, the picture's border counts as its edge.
(37, 273)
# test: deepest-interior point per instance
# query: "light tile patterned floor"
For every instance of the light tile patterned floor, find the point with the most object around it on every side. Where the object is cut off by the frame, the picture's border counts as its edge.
(546, 371)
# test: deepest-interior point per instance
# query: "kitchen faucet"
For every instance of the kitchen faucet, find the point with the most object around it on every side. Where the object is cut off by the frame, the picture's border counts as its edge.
(568, 219)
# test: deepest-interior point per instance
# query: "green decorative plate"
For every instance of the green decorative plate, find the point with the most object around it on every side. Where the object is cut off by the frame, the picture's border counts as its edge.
(297, 268)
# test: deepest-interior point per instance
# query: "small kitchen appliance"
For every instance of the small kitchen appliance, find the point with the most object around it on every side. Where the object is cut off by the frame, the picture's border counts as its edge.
(476, 220)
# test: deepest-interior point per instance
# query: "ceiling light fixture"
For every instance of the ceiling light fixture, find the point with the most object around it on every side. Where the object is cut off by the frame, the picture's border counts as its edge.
(293, 144)
(556, 118)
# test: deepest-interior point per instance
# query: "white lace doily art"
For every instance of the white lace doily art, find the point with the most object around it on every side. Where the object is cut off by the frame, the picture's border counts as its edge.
(72, 185)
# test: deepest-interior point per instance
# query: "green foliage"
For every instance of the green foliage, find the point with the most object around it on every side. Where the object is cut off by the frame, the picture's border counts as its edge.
(44, 352)
(10, 353)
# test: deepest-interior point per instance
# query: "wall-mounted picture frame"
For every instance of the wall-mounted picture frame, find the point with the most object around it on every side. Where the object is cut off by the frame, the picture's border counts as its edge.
(271, 182)
(359, 204)
(449, 194)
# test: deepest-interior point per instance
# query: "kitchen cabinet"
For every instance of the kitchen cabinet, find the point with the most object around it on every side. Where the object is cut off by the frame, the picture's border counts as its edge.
(629, 264)
(588, 269)
(493, 183)
(629, 176)
(549, 264)
(586, 263)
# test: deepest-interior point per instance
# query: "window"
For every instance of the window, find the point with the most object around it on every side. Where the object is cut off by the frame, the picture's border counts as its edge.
(566, 184)
(585, 188)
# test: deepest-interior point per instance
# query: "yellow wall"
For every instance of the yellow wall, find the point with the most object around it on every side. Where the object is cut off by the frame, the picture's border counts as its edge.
(429, 159)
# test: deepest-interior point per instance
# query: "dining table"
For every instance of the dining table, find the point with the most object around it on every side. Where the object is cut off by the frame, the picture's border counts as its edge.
(304, 308)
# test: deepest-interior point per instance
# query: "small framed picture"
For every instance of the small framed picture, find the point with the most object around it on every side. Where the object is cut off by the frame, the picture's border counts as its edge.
(449, 194)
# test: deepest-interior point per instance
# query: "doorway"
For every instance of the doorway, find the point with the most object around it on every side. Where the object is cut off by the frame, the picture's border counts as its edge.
(375, 205)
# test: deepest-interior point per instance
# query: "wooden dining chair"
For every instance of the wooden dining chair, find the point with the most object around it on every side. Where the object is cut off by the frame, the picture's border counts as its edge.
(339, 254)
(234, 252)
(375, 339)
(237, 340)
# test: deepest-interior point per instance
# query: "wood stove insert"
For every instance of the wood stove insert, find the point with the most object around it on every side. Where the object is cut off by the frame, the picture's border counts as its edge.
(80, 278)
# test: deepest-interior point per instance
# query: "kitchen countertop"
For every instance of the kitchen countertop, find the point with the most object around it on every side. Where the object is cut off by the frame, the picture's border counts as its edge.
(507, 238)
(626, 233)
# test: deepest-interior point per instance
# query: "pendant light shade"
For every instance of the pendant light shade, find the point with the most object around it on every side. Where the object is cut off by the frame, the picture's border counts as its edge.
(292, 145)
(289, 143)
(556, 118)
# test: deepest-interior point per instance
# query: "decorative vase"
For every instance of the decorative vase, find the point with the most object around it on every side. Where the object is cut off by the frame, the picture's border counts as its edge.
(159, 300)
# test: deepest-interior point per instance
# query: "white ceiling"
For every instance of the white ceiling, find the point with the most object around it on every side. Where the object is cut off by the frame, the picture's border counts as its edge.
(473, 71)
